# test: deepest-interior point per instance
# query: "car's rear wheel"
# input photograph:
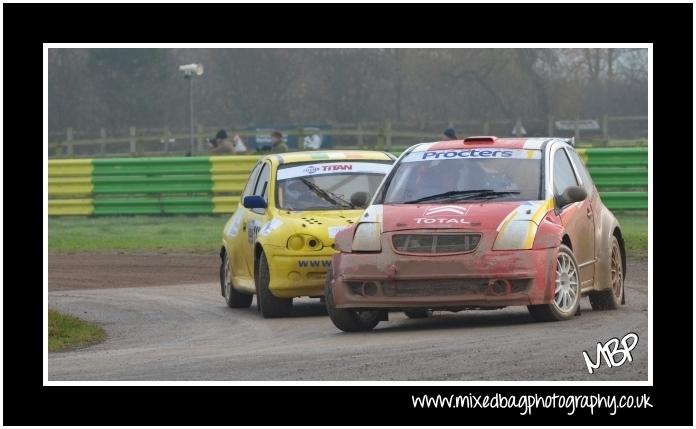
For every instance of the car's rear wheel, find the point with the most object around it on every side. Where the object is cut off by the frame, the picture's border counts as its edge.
(233, 297)
(610, 299)
(346, 319)
(566, 298)
(270, 305)
(418, 314)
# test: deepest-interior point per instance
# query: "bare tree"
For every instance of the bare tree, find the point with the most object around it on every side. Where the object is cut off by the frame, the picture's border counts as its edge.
(93, 88)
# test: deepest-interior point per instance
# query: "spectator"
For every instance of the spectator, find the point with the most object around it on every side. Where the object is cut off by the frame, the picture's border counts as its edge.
(449, 134)
(312, 142)
(278, 145)
(217, 144)
(222, 144)
(239, 146)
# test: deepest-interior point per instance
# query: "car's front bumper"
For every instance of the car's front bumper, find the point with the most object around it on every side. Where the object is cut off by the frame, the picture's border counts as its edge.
(294, 275)
(391, 280)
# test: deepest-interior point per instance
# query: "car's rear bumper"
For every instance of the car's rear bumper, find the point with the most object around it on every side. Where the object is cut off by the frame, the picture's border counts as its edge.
(390, 280)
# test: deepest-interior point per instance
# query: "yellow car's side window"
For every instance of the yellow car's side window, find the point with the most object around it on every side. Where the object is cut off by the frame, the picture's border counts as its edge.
(249, 188)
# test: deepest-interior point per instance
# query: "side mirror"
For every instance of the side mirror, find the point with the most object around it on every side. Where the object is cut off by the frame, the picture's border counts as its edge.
(254, 202)
(572, 194)
(359, 199)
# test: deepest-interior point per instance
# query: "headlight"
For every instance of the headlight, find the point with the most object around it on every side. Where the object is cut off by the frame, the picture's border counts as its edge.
(296, 242)
(367, 238)
(516, 235)
(304, 242)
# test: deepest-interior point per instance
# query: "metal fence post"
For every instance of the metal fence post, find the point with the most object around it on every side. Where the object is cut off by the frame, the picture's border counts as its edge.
(199, 138)
(102, 136)
(132, 140)
(300, 139)
(577, 129)
(550, 128)
(605, 130)
(486, 127)
(380, 138)
(388, 136)
(69, 138)
(360, 136)
(166, 140)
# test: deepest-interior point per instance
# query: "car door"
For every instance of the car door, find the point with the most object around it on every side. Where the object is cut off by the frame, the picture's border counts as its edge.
(255, 218)
(577, 218)
(592, 194)
(240, 269)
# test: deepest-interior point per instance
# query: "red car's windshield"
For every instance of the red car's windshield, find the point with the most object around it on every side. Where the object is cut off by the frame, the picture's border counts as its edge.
(422, 177)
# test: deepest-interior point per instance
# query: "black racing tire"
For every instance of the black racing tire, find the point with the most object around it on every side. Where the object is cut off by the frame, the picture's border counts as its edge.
(611, 298)
(554, 311)
(233, 297)
(270, 305)
(346, 319)
(418, 314)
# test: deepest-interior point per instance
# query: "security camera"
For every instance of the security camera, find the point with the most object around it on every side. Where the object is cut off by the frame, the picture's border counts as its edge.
(190, 69)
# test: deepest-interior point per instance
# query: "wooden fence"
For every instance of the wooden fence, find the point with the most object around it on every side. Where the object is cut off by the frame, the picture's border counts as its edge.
(384, 136)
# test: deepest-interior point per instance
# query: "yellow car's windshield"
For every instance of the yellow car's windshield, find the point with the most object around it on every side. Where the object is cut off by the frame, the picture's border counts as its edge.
(328, 186)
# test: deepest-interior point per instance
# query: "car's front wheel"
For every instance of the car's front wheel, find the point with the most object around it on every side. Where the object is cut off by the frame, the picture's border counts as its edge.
(270, 305)
(611, 298)
(346, 319)
(234, 298)
(566, 298)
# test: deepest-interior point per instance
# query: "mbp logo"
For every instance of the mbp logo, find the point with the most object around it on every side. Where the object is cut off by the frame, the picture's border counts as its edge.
(609, 350)
(444, 214)
(451, 210)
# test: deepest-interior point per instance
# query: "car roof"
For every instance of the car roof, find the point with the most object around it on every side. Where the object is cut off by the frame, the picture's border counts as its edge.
(535, 143)
(329, 155)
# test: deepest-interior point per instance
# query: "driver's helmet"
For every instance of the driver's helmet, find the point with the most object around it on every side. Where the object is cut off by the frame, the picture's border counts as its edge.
(294, 190)
(435, 178)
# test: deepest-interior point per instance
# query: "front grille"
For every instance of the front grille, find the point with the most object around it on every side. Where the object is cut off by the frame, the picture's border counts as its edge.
(435, 243)
(441, 287)
(435, 287)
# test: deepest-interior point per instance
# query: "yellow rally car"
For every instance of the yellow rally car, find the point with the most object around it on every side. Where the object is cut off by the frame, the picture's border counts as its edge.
(277, 244)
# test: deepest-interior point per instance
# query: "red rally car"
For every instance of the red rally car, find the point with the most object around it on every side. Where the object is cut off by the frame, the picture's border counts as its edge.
(479, 223)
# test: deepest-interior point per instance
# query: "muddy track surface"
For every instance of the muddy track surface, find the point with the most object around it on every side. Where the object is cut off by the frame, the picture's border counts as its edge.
(165, 320)
(96, 271)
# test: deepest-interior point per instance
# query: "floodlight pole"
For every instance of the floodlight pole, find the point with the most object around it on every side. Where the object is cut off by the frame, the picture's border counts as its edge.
(189, 77)
(189, 70)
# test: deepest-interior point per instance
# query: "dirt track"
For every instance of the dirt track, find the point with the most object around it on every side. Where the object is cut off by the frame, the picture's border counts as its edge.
(96, 271)
(165, 320)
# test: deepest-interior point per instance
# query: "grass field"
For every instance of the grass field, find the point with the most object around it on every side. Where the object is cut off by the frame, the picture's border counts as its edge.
(202, 234)
(634, 226)
(65, 332)
(136, 234)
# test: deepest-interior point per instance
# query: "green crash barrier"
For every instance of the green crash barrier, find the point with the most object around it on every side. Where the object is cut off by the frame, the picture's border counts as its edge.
(625, 200)
(615, 157)
(154, 206)
(153, 184)
(213, 184)
(618, 177)
(151, 166)
(128, 186)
